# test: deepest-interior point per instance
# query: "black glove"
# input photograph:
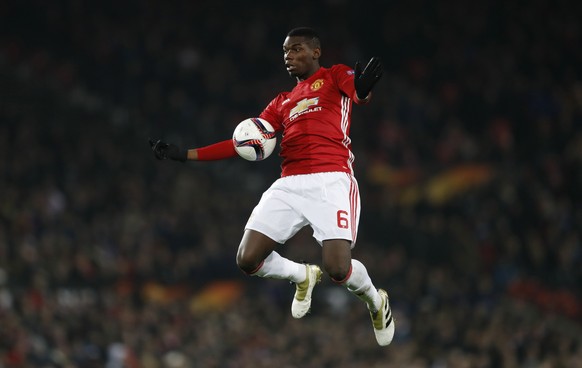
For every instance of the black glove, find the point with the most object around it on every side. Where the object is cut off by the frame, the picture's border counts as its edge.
(164, 151)
(364, 80)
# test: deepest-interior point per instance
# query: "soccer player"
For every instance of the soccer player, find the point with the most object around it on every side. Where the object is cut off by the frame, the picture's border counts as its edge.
(317, 186)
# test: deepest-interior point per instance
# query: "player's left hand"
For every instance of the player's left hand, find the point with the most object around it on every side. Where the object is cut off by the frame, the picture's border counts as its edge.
(164, 151)
(365, 80)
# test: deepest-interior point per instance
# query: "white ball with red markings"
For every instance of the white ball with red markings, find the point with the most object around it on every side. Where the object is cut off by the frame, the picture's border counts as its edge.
(254, 139)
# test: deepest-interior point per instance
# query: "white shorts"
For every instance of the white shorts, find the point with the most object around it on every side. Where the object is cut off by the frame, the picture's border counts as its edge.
(329, 202)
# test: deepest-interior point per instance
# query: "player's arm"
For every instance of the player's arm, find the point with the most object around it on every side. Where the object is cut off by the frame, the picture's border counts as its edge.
(364, 80)
(216, 151)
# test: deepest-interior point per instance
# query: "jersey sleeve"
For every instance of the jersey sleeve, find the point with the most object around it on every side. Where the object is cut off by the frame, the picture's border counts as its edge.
(217, 151)
(344, 77)
(271, 112)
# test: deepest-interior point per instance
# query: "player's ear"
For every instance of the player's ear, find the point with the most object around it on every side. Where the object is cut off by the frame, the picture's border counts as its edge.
(316, 53)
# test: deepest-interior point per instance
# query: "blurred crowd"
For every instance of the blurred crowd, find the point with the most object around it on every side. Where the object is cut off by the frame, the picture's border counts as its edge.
(109, 258)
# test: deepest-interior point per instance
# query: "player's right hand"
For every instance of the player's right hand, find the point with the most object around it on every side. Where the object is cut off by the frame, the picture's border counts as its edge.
(164, 151)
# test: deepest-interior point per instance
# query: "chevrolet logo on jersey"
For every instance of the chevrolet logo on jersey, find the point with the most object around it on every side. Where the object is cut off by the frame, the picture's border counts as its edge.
(303, 105)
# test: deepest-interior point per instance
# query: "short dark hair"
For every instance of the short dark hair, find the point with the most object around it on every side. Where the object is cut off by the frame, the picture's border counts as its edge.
(308, 33)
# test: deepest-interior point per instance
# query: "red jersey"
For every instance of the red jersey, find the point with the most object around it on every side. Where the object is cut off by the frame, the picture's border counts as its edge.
(315, 118)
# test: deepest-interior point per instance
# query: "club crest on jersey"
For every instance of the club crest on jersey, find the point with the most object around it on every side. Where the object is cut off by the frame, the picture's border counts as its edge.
(317, 85)
(304, 106)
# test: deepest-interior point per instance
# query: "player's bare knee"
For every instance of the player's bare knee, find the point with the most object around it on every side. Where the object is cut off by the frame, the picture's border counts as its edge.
(336, 258)
(245, 261)
(337, 272)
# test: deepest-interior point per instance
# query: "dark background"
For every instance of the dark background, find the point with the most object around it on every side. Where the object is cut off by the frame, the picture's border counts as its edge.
(469, 161)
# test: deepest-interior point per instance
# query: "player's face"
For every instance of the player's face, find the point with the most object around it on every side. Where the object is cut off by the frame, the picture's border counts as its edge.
(301, 60)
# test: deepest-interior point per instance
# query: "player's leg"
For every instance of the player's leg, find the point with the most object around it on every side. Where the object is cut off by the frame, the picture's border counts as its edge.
(335, 223)
(348, 272)
(273, 221)
(353, 275)
(337, 258)
(256, 256)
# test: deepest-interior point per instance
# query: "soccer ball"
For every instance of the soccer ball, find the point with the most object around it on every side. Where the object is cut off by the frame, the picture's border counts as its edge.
(254, 139)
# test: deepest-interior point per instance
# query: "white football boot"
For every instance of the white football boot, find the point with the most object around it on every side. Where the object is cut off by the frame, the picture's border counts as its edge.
(302, 300)
(383, 321)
